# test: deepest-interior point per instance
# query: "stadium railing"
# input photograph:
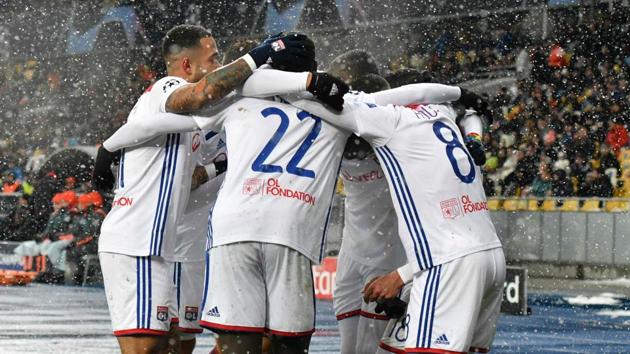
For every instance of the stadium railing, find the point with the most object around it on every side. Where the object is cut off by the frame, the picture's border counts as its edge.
(559, 204)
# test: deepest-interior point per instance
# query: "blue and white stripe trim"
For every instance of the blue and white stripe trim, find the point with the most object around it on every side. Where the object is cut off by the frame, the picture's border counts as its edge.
(325, 232)
(143, 292)
(169, 166)
(206, 282)
(407, 207)
(121, 170)
(177, 281)
(427, 310)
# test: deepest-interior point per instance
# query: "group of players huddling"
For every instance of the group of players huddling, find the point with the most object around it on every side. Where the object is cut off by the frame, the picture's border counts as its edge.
(226, 175)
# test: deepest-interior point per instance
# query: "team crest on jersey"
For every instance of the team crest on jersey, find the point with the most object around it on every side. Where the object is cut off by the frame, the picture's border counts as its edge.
(253, 186)
(450, 208)
(162, 313)
(196, 142)
(191, 313)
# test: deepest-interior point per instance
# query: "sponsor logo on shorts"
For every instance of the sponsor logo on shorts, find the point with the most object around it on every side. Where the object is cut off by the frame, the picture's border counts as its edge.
(122, 201)
(454, 207)
(162, 313)
(442, 340)
(214, 312)
(191, 313)
(271, 187)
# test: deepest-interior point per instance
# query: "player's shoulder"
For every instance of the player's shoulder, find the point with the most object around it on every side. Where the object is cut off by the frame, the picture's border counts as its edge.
(166, 83)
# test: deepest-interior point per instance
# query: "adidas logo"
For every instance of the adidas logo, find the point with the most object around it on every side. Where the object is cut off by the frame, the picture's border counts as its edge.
(334, 90)
(442, 340)
(214, 312)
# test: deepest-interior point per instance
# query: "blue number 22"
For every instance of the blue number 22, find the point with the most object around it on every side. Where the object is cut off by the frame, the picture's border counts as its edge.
(451, 145)
(292, 166)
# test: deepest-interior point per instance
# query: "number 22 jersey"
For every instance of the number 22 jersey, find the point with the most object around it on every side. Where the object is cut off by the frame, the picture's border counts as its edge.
(282, 172)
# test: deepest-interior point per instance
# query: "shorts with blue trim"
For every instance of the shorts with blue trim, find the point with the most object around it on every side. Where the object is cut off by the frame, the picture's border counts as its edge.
(140, 293)
(189, 281)
(454, 307)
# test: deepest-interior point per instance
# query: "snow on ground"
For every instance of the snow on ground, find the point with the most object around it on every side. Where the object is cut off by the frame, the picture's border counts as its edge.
(625, 282)
(71, 320)
(603, 299)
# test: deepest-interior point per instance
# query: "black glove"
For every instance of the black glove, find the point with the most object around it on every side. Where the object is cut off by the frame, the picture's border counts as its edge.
(220, 166)
(472, 100)
(328, 89)
(393, 308)
(476, 150)
(102, 176)
(291, 51)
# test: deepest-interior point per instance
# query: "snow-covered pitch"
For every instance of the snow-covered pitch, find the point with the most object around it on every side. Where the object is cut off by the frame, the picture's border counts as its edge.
(60, 319)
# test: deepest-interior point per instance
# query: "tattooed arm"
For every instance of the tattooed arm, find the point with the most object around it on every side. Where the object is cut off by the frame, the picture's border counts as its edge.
(210, 89)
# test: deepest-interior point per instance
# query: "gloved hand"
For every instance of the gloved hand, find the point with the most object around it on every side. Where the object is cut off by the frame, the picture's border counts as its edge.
(328, 89)
(393, 308)
(472, 100)
(102, 176)
(288, 50)
(220, 166)
(476, 149)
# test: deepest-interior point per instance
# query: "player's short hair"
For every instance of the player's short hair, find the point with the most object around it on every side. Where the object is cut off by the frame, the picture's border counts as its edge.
(237, 49)
(370, 83)
(354, 63)
(408, 76)
(182, 37)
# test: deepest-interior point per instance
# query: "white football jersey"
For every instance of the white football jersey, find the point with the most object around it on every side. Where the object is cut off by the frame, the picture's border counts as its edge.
(192, 230)
(434, 184)
(370, 232)
(153, 184)
(281, 178)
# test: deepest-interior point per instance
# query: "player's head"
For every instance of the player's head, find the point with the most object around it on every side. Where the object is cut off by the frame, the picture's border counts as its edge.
(353, 64)
(237, 49)
(190, 52)
(357, 148)
(370, 83)
(408, 76)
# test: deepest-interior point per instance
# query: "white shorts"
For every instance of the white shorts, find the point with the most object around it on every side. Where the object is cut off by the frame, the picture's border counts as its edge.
(189, 280)
(140, 293)
(395, 333)
(259, 288)
(350, 279)
(455, 306)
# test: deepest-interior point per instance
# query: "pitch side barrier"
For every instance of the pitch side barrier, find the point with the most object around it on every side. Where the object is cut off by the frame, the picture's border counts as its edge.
(570, 231)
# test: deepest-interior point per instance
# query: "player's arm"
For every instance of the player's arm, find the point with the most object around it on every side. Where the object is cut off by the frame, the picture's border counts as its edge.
(425, 93)
(326, 88)
(219, 83)
(376, 124)
(388, 286)
(471, 126)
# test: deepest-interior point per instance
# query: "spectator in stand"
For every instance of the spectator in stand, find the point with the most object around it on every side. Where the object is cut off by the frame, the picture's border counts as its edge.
(61, 217)
(84, 227)
(561, 185)
(608, 161)
(10, 184)
(617, 137)
(596, 185)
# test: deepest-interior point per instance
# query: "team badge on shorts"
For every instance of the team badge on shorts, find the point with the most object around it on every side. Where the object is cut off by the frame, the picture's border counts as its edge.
(162, 313)
(191, 313)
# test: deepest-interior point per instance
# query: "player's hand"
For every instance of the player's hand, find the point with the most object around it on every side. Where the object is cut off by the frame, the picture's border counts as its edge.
(328, 89)
(472, 100)
(393, 308)
(383, 288)
(284, 50)
(102, 175)
(476, 149)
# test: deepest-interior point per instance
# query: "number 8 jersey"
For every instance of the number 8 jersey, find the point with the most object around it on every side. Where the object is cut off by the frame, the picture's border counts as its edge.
(435, 186)
(283, 167)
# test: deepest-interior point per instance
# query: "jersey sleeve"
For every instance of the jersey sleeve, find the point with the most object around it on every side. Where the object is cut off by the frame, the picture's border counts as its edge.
(270, 82)
(162, 90)
(147, 127)
(417, 94)
(471, 124)
(372, 122)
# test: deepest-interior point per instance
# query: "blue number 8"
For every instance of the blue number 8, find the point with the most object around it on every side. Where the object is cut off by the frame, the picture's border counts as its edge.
(451, 145)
